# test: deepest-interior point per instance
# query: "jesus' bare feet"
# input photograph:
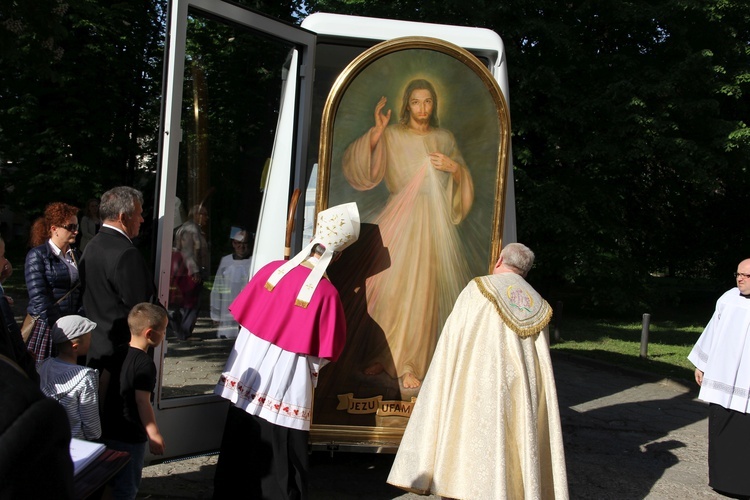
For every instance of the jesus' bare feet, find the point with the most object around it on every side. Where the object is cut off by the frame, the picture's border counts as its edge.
(410, 381)
(374, 369)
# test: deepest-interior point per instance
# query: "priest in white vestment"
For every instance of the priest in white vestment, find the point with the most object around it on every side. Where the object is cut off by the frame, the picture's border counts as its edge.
(486, 423)
(722, 370)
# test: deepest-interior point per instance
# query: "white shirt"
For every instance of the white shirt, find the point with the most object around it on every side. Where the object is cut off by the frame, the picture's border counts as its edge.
(722, 353)
(68, 259)
(118, 230)
(76, 388)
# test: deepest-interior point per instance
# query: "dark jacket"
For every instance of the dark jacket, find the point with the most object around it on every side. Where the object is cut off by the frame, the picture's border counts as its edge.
(34, 440)
(115, 278)
(34, 430)
(11, 342)
(47, 280)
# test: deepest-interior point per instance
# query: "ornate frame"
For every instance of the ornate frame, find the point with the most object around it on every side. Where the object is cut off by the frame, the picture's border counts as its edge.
(482, 133)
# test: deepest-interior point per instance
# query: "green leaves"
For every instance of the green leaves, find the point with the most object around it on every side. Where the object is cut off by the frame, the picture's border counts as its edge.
(80, 92)
(630, 133)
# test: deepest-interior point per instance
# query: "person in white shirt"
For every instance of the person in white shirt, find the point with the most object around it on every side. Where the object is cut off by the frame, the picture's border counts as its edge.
(722, 370)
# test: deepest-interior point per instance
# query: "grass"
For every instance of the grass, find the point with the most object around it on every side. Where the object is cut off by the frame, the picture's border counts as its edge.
(619, 342)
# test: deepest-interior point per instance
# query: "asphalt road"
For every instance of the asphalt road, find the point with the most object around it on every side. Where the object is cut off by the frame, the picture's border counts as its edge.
(627, 436)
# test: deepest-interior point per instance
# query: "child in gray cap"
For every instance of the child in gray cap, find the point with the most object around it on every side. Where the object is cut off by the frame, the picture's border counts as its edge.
(75, 387)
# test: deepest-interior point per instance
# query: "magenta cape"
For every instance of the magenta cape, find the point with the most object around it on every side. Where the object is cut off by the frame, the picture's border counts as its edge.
(317, 330)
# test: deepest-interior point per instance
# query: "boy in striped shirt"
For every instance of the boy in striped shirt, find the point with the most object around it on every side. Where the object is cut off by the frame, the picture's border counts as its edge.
(75, 387)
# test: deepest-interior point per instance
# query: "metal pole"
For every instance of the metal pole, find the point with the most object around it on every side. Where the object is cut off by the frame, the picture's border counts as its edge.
(644, 335)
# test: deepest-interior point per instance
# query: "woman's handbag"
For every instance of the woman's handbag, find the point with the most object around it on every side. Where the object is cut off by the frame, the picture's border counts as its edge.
(30, 321)
(28, 326)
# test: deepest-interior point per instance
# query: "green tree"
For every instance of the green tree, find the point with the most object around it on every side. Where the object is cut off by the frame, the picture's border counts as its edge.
(80, 87)
(632, 143)
(83, 115)
(629, 135)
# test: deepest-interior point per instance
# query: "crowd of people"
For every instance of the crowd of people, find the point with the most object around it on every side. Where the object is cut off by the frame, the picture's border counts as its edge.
(486, 423)
(92, 322)
(85, 347)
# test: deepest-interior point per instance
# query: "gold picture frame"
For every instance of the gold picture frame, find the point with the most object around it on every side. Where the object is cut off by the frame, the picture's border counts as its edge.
(415, 130)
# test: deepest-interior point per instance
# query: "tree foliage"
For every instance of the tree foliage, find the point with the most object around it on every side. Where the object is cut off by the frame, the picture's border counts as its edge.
(234, 78)
(80, 96)
(83, 115)
(630, 133)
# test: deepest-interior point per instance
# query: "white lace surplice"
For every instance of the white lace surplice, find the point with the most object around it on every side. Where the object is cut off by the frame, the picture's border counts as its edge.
(278, 389)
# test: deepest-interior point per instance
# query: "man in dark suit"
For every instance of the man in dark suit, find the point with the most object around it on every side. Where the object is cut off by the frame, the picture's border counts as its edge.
(114, 274)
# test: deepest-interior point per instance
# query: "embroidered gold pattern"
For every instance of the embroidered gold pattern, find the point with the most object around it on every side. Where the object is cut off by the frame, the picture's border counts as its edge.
(522, 329)
(520, 298)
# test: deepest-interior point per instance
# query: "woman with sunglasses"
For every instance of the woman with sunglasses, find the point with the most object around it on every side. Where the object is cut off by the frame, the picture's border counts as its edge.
(51, 272)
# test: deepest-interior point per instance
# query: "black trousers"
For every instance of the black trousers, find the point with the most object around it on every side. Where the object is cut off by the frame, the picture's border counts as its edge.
(728, 451)
(261, 460)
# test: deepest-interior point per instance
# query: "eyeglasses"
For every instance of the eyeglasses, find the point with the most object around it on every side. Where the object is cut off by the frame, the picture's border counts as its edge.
(741, 275)
(71, 227)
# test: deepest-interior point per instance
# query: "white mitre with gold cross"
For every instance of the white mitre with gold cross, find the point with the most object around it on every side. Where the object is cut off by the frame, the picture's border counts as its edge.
(337, 228)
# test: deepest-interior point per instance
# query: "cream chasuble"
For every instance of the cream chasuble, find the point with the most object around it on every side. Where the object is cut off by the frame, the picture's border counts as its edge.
(486, 423)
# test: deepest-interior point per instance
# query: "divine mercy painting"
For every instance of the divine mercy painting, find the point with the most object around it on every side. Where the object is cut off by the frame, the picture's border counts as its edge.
(416, 132)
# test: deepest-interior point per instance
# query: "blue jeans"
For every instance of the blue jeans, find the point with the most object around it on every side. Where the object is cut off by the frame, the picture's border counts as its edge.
(126, 482)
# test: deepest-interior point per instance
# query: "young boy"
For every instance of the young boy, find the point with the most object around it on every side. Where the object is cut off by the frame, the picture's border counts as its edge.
(75, 387)
(128, 381)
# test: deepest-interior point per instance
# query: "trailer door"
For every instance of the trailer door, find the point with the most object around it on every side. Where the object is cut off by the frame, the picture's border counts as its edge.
(226, 70)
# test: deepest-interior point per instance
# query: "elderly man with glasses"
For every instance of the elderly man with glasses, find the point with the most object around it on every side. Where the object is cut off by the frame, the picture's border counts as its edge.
(722, 369)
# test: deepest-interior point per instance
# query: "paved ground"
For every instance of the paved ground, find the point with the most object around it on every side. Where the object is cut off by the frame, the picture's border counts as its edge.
(627, 436)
